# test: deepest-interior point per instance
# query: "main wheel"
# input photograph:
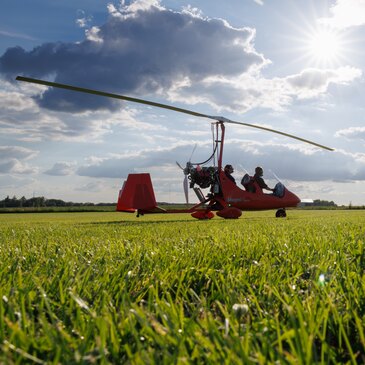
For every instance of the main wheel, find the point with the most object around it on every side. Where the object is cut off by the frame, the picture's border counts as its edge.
(280, 213)
(229, 213)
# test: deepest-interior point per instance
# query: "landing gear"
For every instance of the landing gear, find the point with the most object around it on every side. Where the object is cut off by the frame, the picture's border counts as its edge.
(203, 214)
(229, 213)
(280, 213)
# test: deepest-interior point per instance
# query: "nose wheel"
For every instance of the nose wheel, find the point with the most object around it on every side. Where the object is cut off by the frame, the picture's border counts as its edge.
(280, 213)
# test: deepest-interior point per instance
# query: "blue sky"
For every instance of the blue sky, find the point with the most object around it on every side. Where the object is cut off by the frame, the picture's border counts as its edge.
(294, 66)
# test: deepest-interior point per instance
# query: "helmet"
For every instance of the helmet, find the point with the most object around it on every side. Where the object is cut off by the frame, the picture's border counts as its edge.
(228, 168)
(259, 171)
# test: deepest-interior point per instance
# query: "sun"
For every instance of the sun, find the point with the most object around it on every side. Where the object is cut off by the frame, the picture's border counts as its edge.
(324, 46)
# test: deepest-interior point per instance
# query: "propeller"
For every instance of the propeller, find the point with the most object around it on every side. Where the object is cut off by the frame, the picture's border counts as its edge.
(164, 106)
(186, 189)
(193, 152)
(186, 171)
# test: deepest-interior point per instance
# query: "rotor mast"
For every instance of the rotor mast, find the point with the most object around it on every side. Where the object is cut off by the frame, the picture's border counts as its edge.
(220, 140)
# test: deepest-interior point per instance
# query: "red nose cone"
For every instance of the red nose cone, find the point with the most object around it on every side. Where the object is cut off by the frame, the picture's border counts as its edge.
(292, 199)
(296, 200)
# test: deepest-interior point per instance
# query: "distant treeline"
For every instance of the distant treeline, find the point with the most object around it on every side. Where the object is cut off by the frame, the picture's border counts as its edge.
(323, 203)
(41, 201)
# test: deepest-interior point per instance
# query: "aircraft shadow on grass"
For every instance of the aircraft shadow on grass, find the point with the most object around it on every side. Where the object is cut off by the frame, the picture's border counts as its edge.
(185, 221)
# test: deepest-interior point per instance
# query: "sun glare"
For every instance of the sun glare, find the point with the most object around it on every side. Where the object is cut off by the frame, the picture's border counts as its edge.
(324, 46)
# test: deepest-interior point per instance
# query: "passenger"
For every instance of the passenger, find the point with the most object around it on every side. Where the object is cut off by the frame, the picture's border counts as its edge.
(228, 170)
(259, 172)
(248, 183)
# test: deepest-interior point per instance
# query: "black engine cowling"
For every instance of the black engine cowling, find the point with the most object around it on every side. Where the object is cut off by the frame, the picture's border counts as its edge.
(204, 177)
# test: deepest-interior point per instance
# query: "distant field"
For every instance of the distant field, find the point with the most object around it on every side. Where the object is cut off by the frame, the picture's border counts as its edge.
(107, 288)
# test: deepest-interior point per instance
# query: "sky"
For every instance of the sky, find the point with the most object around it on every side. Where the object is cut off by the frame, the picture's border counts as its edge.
(290, 65)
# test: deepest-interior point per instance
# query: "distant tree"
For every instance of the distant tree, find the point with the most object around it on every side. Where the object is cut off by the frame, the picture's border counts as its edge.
(41, 201)
(22, 201)
(324, 203)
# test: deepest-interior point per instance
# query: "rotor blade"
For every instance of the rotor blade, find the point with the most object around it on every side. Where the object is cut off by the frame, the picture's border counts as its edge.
(109, 95)
(164, 106)
(225, 120)
(186, 191)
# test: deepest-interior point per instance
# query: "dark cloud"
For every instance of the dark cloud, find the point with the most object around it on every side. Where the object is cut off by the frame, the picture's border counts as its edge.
(144, 53)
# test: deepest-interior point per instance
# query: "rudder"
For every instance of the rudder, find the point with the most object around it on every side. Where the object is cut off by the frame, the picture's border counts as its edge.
(137, 194)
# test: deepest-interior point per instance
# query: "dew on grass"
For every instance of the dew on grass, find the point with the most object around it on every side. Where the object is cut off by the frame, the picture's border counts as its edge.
(322, 279)
(240, 309)
(226, 326)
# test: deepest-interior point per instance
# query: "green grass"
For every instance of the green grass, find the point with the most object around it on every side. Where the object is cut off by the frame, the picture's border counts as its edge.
(112, 288)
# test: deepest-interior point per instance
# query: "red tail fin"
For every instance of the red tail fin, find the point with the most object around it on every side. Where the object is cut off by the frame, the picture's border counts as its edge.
(137, 194)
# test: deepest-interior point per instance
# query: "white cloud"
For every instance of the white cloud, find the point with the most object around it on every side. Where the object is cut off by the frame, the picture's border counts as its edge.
(14, 182)
(132, 9)
(93, 34)
(93, 186)
(352, 133)
(16, 152)
(14, 166)
(12, 160)
(61, 169)
(83, 20)
(345, 14)
(313, 82)
(250, 91)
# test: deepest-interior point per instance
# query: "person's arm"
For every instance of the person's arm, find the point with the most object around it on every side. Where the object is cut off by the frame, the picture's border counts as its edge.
(262, 184)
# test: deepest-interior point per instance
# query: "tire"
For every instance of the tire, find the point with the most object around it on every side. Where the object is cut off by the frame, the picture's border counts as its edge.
(280, 213)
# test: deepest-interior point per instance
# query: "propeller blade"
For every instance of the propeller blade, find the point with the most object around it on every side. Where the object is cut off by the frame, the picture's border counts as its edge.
(193, 152)
(179, 165)
(164, 106)
(186, 189)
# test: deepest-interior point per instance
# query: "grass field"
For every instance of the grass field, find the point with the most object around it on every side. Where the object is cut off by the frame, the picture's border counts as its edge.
(112, 288)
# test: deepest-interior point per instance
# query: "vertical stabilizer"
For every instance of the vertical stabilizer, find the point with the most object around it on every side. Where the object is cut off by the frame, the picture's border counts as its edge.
(137, 194)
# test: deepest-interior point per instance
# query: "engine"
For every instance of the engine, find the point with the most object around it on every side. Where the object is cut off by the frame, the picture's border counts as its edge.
(204, 177)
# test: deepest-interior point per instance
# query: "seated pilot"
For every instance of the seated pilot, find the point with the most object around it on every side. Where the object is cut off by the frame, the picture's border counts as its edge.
(249, 182)
(228, 170)
(259, 172)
